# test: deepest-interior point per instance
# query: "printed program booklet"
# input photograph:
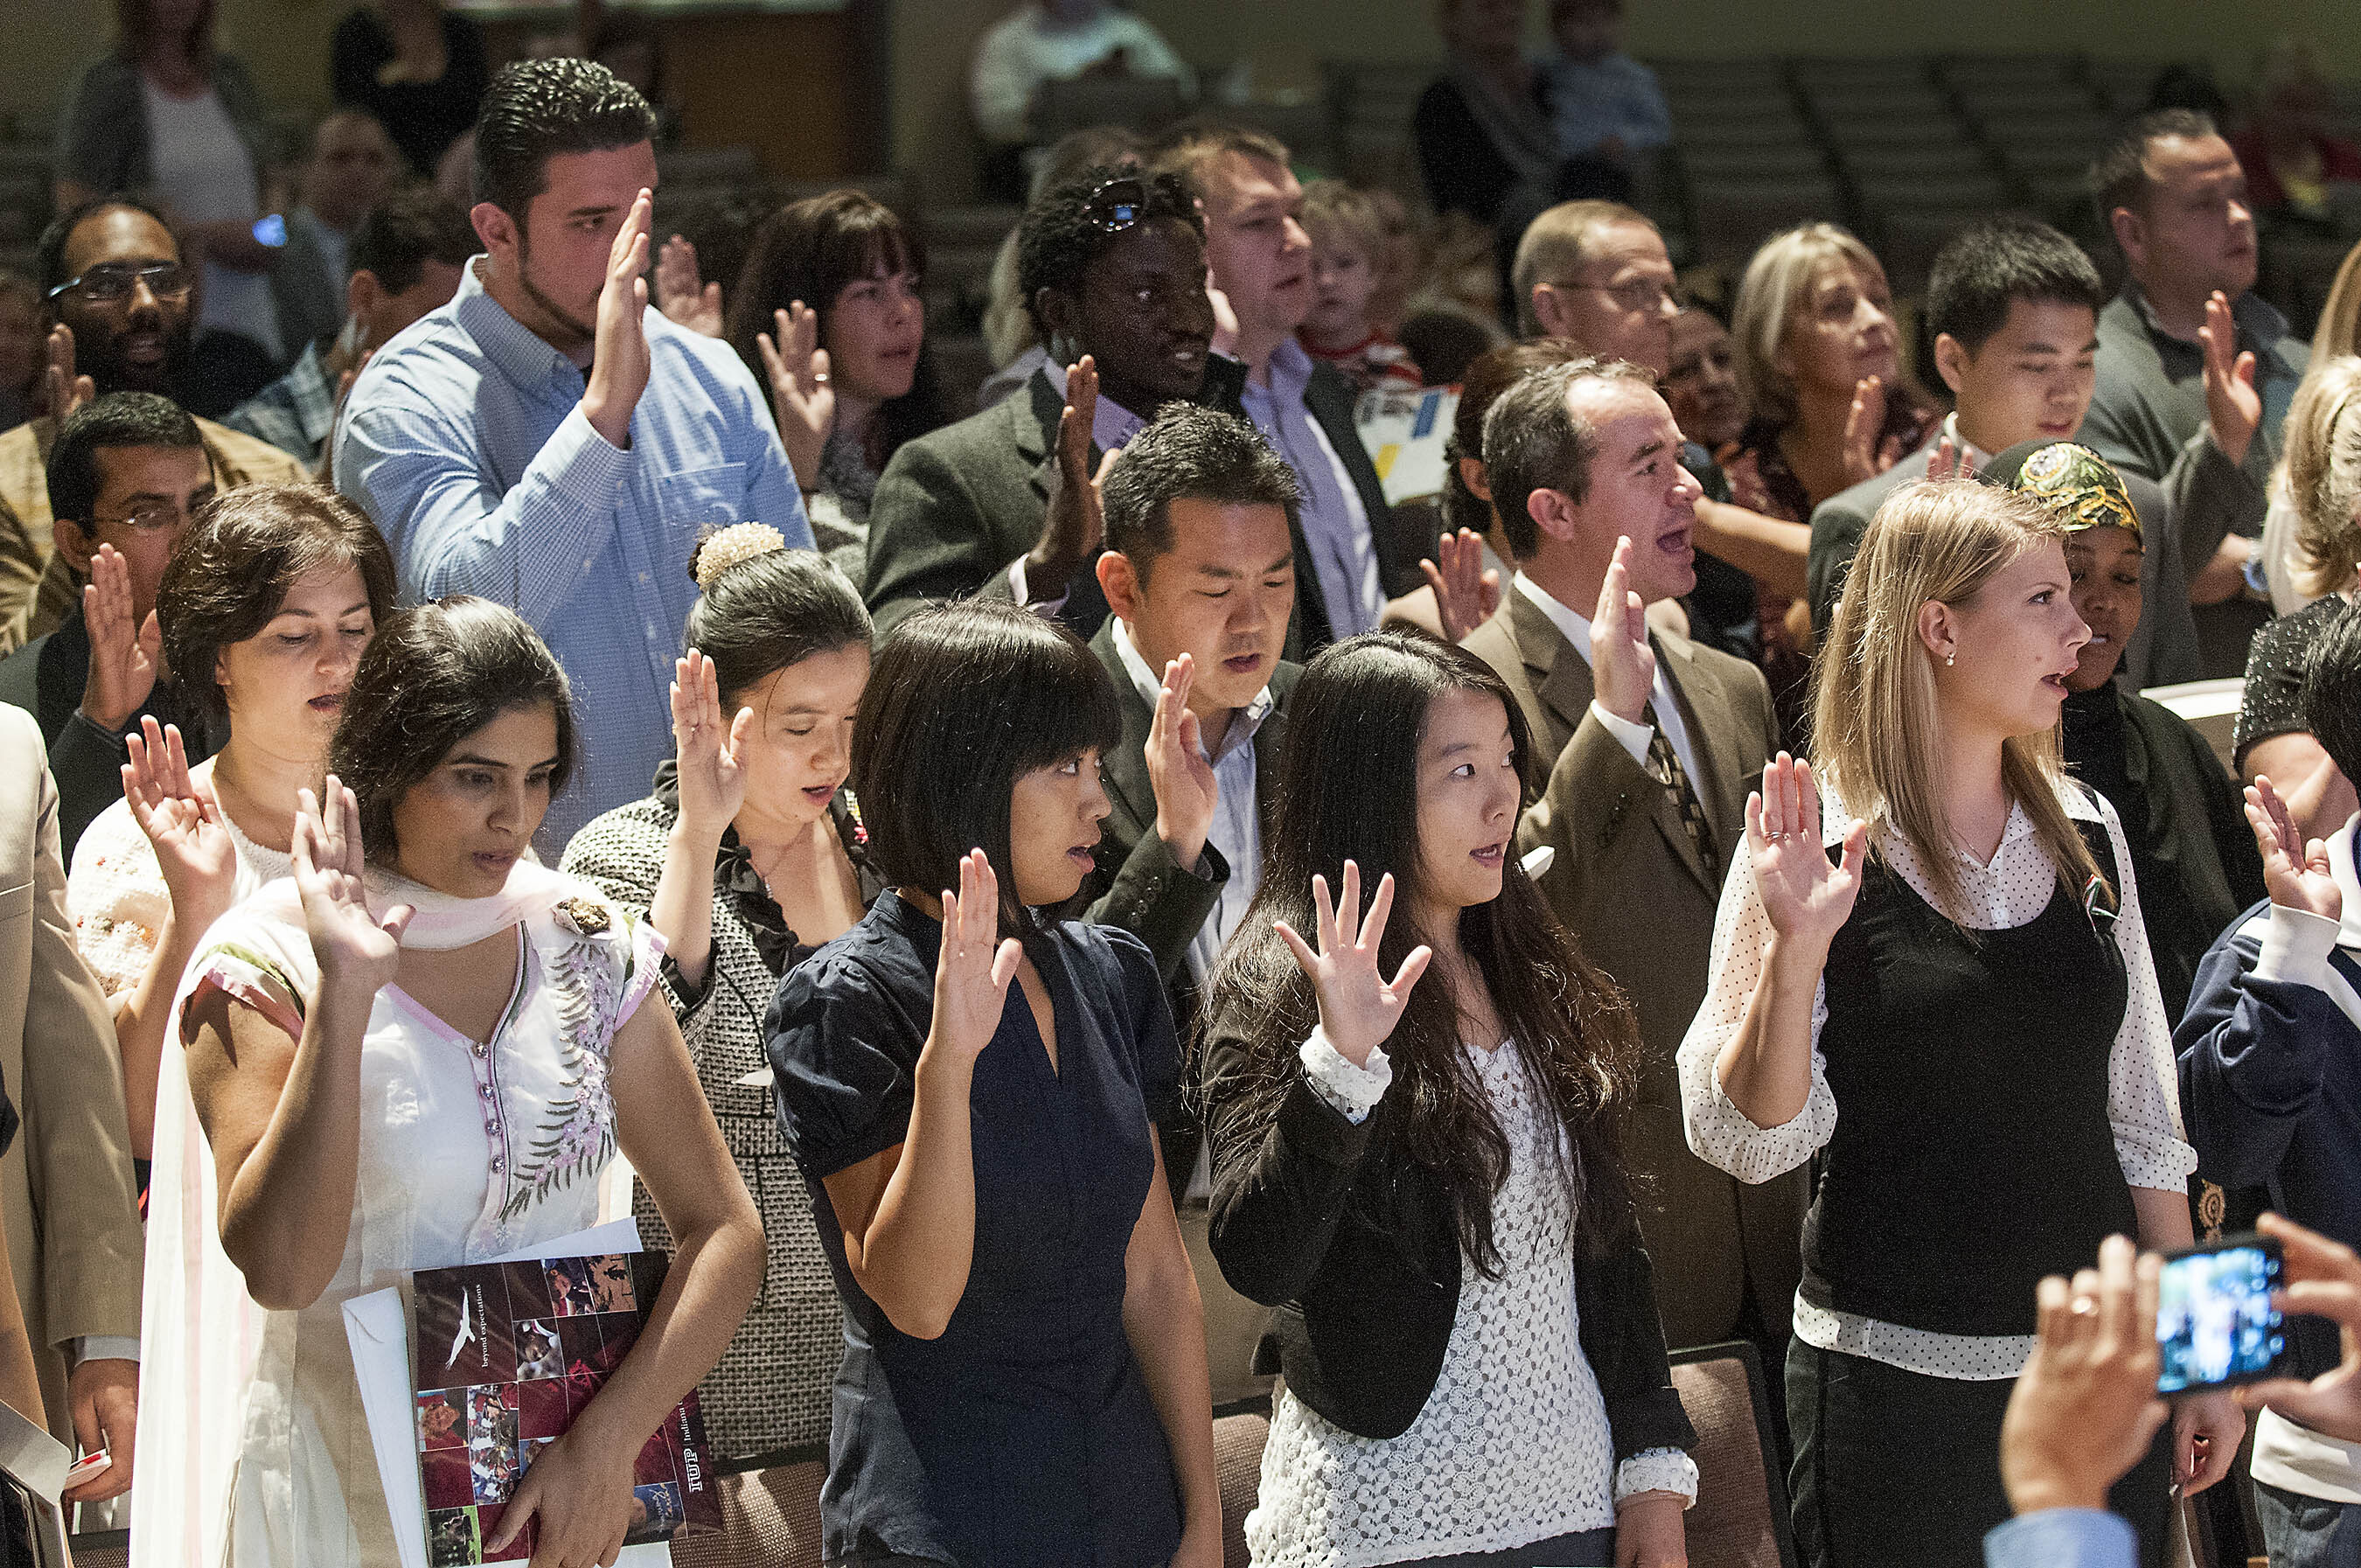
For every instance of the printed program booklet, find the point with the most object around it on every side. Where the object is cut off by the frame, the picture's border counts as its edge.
(505, 1356)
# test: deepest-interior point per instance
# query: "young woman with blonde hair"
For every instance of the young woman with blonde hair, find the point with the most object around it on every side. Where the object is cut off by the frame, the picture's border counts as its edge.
(2338, 336)
(1942, 935)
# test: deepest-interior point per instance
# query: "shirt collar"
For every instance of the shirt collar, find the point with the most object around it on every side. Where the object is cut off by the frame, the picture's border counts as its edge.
(1972, 456)
(519, 354)
(2259, 322)
(1242, 723)
(1572, 625)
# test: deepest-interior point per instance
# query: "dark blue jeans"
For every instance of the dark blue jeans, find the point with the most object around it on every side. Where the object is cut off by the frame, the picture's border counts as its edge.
(2308, 1532)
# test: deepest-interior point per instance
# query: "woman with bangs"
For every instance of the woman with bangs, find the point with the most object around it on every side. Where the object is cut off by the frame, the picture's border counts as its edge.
(1939, 936)
(1024, 1376)
(1416, 1159)
(828, 314)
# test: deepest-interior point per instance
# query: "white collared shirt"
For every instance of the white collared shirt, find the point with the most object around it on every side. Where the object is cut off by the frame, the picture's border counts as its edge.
(1236, 828)
(1576, 629)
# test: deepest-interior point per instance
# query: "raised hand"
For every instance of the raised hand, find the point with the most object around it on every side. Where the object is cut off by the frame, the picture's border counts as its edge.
(1864, 424)
(1808, 899)
(1073, 524)
(2296, 874)
(1622, 662)
(681, 295)
(1186, 791)
(2234, 410)
(65, 390)
(1465, 594)
(1948, 462)
(1359, 1006)
(182, 823)
(354, 947)
(973, 971)
(124, 651)
(2085, 1409)
(802, 397)
(620, 363)
(709, 754)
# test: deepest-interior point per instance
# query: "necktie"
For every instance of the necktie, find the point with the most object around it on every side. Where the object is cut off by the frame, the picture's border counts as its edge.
(1665, 764)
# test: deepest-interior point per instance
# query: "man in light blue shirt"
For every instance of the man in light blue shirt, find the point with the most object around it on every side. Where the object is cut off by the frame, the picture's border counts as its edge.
(548, 441)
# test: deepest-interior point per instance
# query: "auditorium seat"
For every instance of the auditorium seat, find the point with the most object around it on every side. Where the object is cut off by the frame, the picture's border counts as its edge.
(770, 1518)
(1740, 1517)
(1238, 1457)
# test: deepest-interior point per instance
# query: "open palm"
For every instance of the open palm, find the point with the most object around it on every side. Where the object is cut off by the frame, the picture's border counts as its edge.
(1807, 896)
(353, 946)
(1359, 1006)
(975, 963)
(182, 823)
(2298, 874)
(709, 756)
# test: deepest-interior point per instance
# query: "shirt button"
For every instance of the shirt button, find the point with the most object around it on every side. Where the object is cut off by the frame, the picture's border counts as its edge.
(585, 562)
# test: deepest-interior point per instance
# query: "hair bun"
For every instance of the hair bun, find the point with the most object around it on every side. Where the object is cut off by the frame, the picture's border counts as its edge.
(734, 545)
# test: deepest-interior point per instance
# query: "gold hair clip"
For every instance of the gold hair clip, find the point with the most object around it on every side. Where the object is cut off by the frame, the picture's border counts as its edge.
(732, 546)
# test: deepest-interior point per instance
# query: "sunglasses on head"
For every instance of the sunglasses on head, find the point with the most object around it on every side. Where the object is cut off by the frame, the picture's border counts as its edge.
(1121, 202)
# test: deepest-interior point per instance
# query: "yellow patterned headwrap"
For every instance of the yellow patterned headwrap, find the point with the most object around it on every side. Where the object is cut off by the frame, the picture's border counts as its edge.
(2079, 487)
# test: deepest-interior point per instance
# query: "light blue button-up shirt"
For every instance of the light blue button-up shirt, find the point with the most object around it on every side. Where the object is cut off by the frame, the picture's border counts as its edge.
(2062, 1538)
(465, 442)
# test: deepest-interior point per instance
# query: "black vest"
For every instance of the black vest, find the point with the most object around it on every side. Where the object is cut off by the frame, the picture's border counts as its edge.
(1972, 1153)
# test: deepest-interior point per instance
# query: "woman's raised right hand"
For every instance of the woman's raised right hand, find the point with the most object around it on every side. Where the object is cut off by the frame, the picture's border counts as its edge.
(974, 965)
(353, 946)
(709, 754)
(1807, 898)
(1359, 1008)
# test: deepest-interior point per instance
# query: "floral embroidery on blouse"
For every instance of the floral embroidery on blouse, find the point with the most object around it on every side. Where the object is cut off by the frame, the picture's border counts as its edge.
(577, 1133)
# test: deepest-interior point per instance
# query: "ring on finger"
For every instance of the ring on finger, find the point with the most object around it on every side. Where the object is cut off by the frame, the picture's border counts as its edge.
(2084, 1306)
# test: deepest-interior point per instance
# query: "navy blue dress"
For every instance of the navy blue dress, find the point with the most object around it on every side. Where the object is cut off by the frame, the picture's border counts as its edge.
(1024, 1433)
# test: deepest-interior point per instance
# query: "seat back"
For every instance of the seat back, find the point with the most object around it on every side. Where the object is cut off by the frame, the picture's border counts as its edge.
(1238, 1457)
(770, 1518)
(1740, 1517)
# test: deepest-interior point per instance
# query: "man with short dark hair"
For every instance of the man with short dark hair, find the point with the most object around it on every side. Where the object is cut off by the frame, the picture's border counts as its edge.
(550, 441)
(120, 300)
(1200, 571)
(406, 257)
(2013, 310)
(1112, 269)
(2195, 372)
(127, 472)
(1259, 258)
(2270, 1083)
(1644, 746)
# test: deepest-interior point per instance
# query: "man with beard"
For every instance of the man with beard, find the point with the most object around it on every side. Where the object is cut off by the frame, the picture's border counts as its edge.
(118, 299)
(549, 440)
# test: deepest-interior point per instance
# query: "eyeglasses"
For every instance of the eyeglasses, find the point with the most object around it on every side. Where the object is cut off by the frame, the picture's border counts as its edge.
(158, 517)
(112, 282)
(1638, 294)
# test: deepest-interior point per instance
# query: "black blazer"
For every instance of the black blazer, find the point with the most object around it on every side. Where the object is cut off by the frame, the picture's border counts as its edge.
(1140, 887)
(1357, 1248)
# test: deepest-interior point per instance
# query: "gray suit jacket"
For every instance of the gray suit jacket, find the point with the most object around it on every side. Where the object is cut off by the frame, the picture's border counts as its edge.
(2163, 649)
(1627, 883)
(74, 1245)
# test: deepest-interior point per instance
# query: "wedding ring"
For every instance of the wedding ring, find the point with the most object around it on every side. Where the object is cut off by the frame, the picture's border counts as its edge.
(820, 376)
(2084, 1306)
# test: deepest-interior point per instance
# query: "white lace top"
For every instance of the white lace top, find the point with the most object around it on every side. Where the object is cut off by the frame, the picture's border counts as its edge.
(2143, 1083)
(1512, 1446)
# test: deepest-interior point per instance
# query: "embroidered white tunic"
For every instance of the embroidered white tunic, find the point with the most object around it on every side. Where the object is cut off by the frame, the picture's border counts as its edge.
(468, 1150)
(1512, 1447)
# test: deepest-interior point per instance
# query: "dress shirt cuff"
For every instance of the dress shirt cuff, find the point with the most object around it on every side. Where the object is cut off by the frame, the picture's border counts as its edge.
(592, 467)
(2296, 946)
(1633, 738)
(1016, 589)
(1657, 1470)
(2154, 1159)
(103, 1347)
(2060, 1538)
(1353, 1090)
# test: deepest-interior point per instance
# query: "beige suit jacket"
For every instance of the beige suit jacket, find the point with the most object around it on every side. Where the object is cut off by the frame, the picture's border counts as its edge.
(74, 1244)
(1628, 884)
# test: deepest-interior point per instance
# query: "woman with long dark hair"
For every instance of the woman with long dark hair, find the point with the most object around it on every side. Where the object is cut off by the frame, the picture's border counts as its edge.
(1024, 1376)
(1423, 1172)
(747, 856)
(828, 314)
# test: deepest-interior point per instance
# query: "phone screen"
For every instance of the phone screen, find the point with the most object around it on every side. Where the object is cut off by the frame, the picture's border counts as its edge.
(2214, 1321)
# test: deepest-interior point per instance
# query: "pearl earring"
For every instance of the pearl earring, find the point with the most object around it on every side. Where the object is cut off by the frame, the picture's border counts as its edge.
(1953, 657)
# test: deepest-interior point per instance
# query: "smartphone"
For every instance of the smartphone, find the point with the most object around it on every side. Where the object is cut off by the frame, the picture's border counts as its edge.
(2215, 1321)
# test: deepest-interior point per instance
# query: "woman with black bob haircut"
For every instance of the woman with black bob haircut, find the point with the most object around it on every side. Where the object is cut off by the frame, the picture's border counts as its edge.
(748, 855)
(419, 1051)
(828, 314)
(1423, 1173)
(1024, 1376)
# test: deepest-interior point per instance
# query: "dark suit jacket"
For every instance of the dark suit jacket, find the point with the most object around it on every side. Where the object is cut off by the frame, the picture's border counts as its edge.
(1140, 887)
(1621, 851)
(1330, 397)
(1358, 1247)
(2163, 648)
